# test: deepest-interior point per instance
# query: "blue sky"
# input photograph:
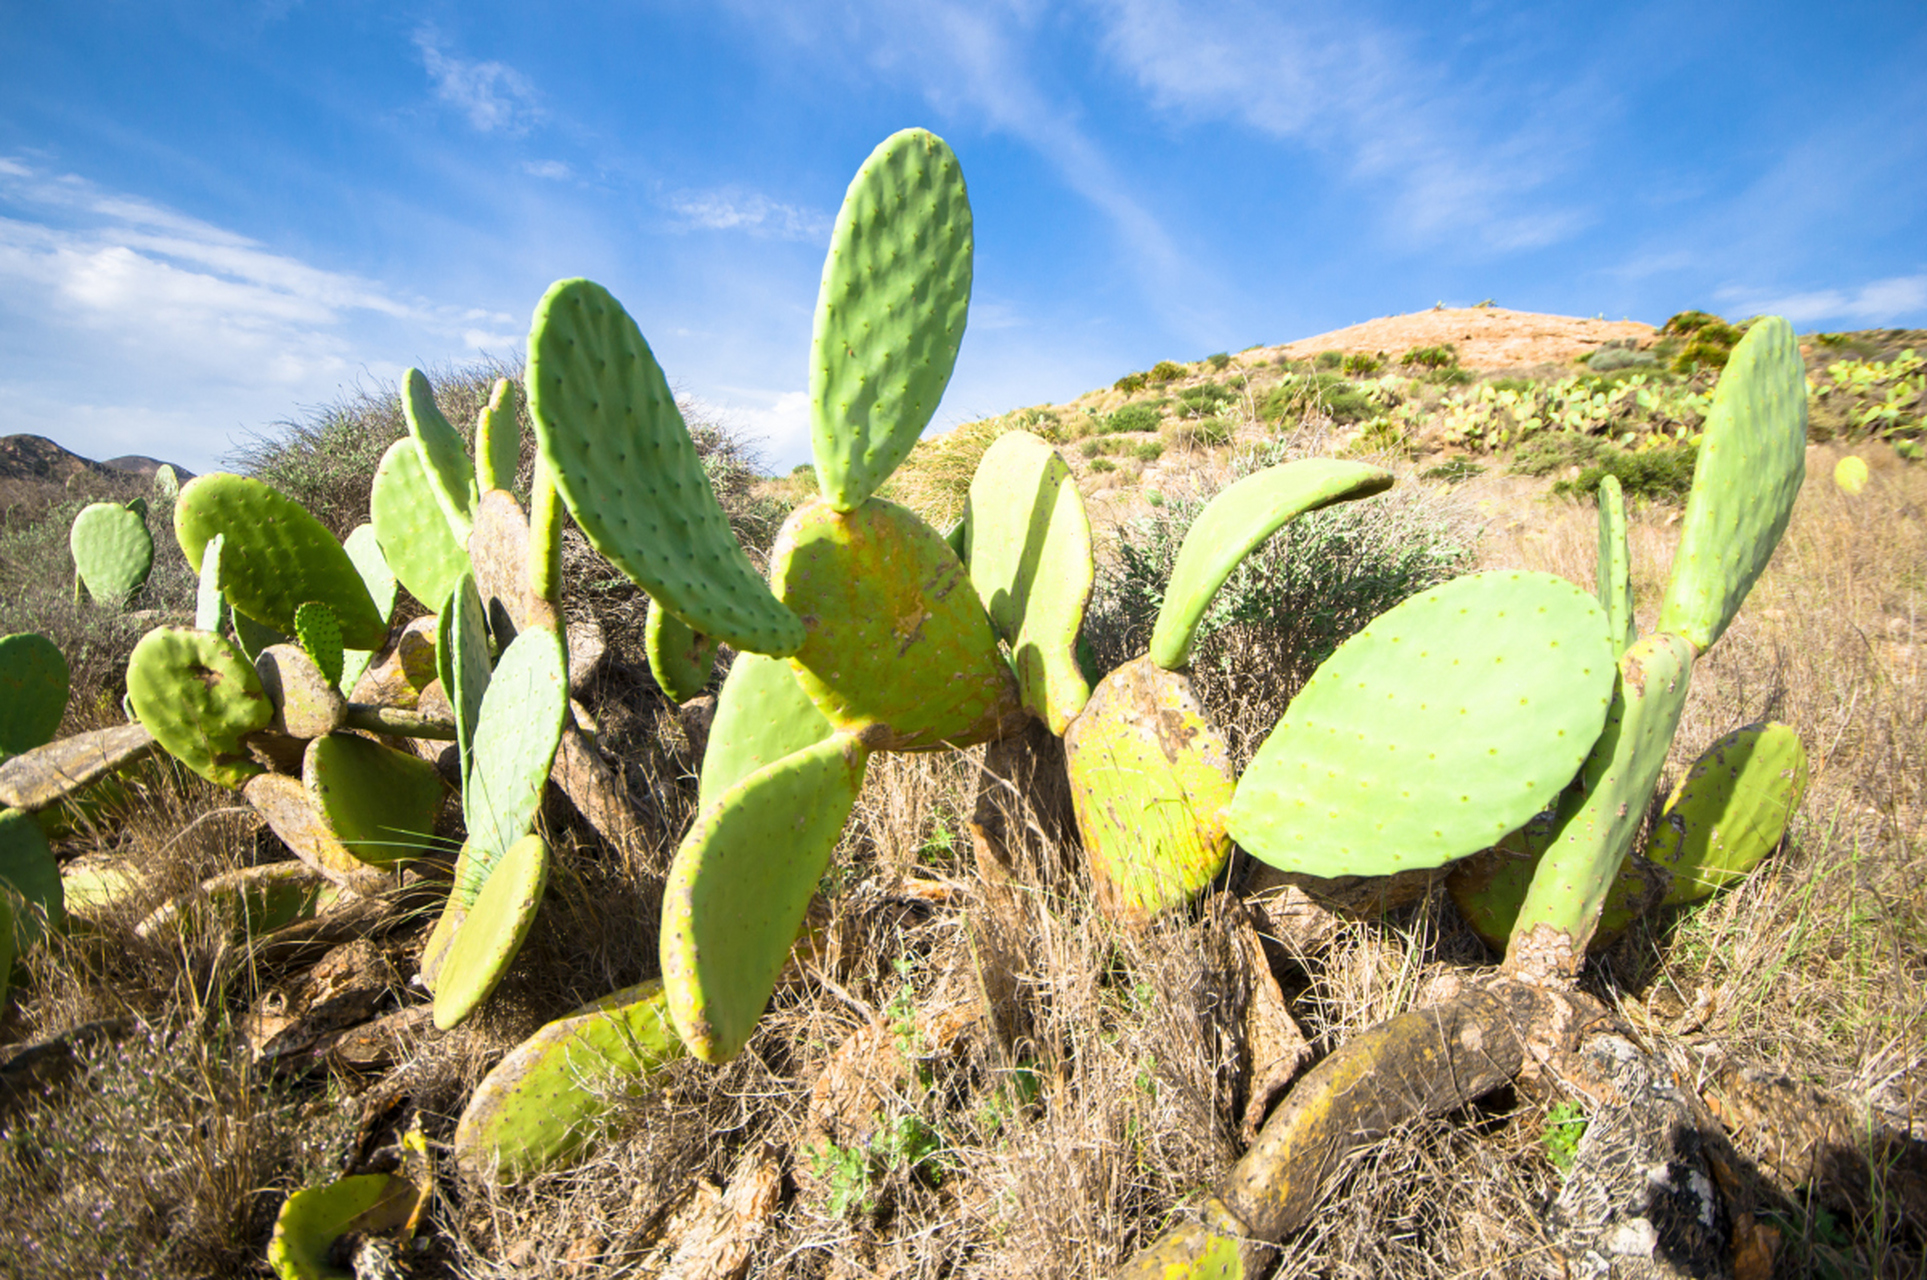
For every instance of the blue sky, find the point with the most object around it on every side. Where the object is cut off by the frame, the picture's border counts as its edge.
(218, 214)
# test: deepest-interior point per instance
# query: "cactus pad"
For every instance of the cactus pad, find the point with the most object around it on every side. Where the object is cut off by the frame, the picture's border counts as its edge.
(381, 804)
(624, 463)
(113, 551)
(364, 549)
(1443, 725)
(1730, 810)
(1615, 571)
(740, 885)
(444, 455)
(409, 526)
(492, 932)
(498, 440)
(1489, 888)
(312, 1220)
(1029, 550)
(1150, 776)
(284, 803)
(320, 636)
(28, 870)
(679, 659)
(1235, 523)
(762, 715)
(899, 650)
(306, 702)
(275, 558)
(210, 604)
(516, 736)
(199, 697)
(534, 1110)
(1752, 460)
(61, 769)
(33, 692)
(890, 313)
(167, 481)
(1569, 889)
(462, 663)
(1850, 474)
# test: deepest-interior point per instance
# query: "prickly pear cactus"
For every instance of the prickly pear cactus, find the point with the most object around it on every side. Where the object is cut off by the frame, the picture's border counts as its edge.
(312, 1220)
(679, 659)
(167, 481)
(410, 528)
(1729, 810)
(462, 663)
(1446, 723)
(320, 637)
(890, 313)
(33, 692)
(498, 439)
(762, 715)
(364, 549)
(199, 697)
(444, 455)
(30, 875)
(113, 551)
(210, 603)
(497, 923)
(1615, 567)
(516, 735)
(381, 804)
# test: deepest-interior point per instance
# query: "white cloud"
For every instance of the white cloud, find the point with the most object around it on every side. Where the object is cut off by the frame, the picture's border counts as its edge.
(777, 423)
(494, 96)
(1877, 302)
(732, 209)
(554, 170)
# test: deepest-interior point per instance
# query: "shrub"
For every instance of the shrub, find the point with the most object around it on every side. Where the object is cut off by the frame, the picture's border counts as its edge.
(1663, 474)
(1452, 377)
(1512, 384)
(1444, 356)
(1607, 359)
(1325, 393)
(1129, 383)
(1166, 371)
(1149, 451)
(1452, 472)
(1709, 340)
(1142, 416)
(1206, 398)
(1330, 359)
(1218, 361)
(1207, 433)
(1362, 362)
(1103, 464)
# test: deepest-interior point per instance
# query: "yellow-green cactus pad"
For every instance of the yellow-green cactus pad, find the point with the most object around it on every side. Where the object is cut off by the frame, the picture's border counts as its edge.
(463, 664)
(1730, 810)
(889, 314)
(624, 463)
(487, 939)
(291, 815)
(537, 1108)
(679, 658)
(740, 885)
(899, 651)
(275, 558)
(199, 697)
(381, 804)
(47, 775)
(1235, 523)
(1150, 776)
(33, 692)
(409, 526)
(498, 439)
(1490, 887)
(1615, 571)
(1443, 725)
(252, 900)
(364, 549)
(28, 870)
(444, 455)
(762, 715)
(1850, 474)
(1752, 460)
(1028, 546)
(113, 551)
(516, 736)
(312, 1220)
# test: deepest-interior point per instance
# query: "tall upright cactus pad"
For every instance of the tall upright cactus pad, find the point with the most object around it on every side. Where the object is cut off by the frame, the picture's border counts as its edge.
(1150, 776)
(1615, 567)
(199, 697)
(534, 1111)
(493, 931)
(1752, 460)
(1489, 888)
(679, 658)
(28, 870)
(167, 481)
(899, 651)
(409, 526)
(762, 715)
(444, 455)
(33, 692)
(498, 439)
(523, 712)
(113, 551)
(210, 602)
(1570, 887)
(1730, 810)
(740, 886)
(381, 804)
(1443, 725)
(1235, 523)
(363, 546)
(625, 465)
(462, 663)
(890, 313)
(1028, 547)
(275, 557)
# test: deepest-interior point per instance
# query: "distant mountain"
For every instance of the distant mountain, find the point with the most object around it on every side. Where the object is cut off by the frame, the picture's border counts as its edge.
(141, 465)
(25, 457)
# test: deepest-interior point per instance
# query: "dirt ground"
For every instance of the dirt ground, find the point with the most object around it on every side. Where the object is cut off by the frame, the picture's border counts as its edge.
(1487, 338)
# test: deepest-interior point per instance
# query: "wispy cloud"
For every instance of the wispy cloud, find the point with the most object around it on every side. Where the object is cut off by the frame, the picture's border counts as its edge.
(1876, 302)
(494, 96)
(554, 170)
(732, 209)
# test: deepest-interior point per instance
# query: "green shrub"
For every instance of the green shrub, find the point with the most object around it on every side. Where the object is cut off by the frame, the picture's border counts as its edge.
(1102, 465)
(1454, 471)
(1513, 384)
(1663, 474)
(1129, 383)
(1330, 359)
(1443, 356)
(1206, 398)
(1456, 376)
(1361, 363)
(1207, 433)
(1690, 322)
(1326, 393)
(1149, 451)
(1166, 371)
(1554, 450)
(1218, 361)
(1709, 340)
(1144, 415)
(1093, 448)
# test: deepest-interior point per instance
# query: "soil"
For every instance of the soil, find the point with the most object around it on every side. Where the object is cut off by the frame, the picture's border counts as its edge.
(1486, 338)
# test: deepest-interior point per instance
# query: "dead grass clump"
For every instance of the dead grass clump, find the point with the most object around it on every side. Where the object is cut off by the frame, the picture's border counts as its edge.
(935, 479)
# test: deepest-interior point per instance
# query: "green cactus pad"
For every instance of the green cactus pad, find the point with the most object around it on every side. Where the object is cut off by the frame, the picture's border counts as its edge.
(1028, 546)
(276, 557)
(210, 604)
(1569, 889)
(167, 481)
(498, 440)
(409, 526)
(381, 804)
(1443, 725)
(306, 702)
(253, 638)
(889, 314)
(444, 455)
(740, 885)
(1235, 523)
(899, 650)
(318, 631)
(312, 1220)
(492, 932)
(1730, 810)
(1752, 460)
(1615, 567)
(679, 659)
(284, 803)
(462, 662)
(8, 949)
(1150, 776)
(545, 537)
(624, 463)
(523, 712)
(535, 1110)
(1490, 887)
(251, 901)
(113, 551)
(364, 549)
(199, 697)
(33, 692)
(762, 715)
(28, 870)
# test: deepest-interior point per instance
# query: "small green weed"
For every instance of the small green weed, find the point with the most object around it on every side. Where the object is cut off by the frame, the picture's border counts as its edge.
(1565, 1126)
(1330, 359)
(1219, 360)
(1453, 472)
(1362, 363)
